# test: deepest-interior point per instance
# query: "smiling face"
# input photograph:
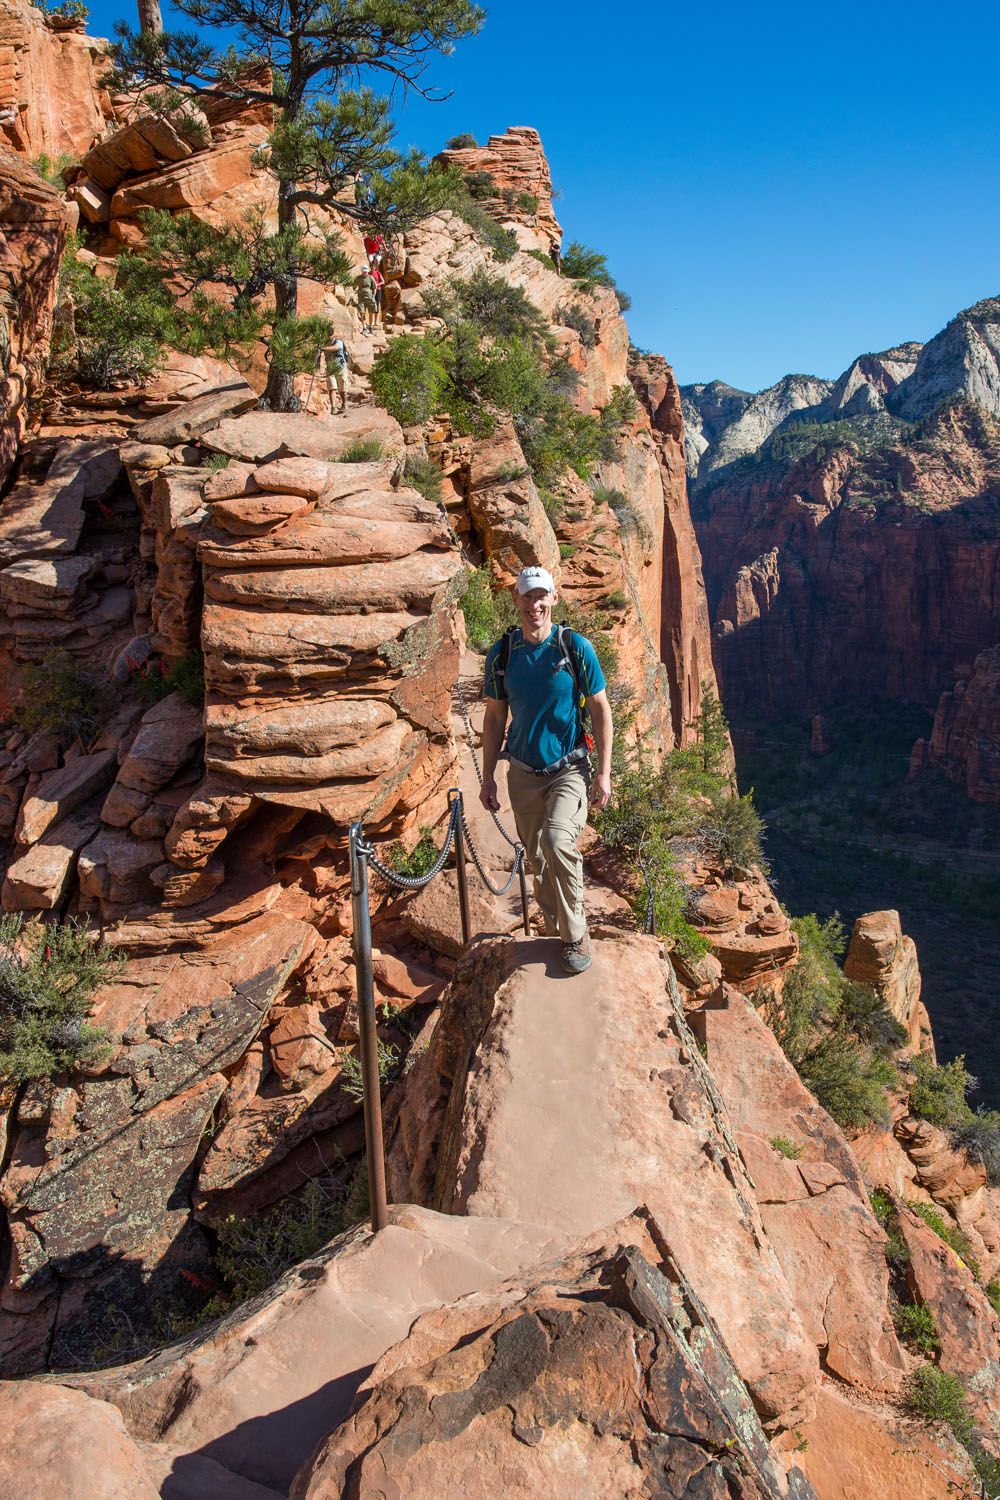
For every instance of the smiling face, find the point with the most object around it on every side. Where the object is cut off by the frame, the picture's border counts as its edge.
(535, 611)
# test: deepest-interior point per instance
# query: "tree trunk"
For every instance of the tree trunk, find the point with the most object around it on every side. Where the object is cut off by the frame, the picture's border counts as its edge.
(279, 393)
(150, 18)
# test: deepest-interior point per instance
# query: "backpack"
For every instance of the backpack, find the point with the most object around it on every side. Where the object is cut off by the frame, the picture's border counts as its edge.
(563, 644)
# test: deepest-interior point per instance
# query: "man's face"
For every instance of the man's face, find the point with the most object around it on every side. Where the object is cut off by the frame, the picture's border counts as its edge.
(535, 609)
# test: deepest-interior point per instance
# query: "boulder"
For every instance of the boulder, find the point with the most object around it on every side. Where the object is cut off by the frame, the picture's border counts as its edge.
(115, 868)
(188, 421)
(61, 1442)
(880, 956)
(263, 436)
(37, 879)
(45, 517)
(168, 735)
(59, 792)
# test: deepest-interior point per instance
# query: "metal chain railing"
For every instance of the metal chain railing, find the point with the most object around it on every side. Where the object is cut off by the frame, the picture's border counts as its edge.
(497, 890)
(417, 882)
(470, 735)
(650, 891)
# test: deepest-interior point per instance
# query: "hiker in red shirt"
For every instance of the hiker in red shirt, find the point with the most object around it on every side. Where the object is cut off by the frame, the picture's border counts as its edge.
(374, 249)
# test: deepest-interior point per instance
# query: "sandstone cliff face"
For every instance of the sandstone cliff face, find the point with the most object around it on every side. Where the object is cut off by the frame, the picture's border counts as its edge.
(33, 224)
(965, 739)
(520, 170)
(889, 558)
(50, 99)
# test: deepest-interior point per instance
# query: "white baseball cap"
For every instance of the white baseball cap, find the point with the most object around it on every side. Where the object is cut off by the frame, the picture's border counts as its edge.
(534, 578)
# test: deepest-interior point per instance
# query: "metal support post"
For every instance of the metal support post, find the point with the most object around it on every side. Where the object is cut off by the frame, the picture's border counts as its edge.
(367, 1030)
(524, 893)
(461, 873)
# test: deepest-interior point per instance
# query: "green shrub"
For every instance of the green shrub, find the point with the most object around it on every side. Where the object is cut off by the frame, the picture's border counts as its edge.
(481, 184)
(55, 168)
(603, 494)
(981, 1139)
(869, 1017)
(938, 1092)
(917, 1327)
(552, 505)
(419, 859)
(252, 1252)
(952, 1236)
(213, 462)
(503, 242)
(154, 680)
(423, 475)
(48, 975)
(589, 268)
(848, 1079)
(526, 202)
(938, 1396)
(616, 600)
(497, 308)
(61, 696)
(733, 831)
(791, 1150)
(542, 259)
(566, 550)
(488, 612)
(462, 142)
(409, 378)
(993, 1295)
(389, 1063)
(574, 317)
(883, 1207)
(118, 328)
(362, 451)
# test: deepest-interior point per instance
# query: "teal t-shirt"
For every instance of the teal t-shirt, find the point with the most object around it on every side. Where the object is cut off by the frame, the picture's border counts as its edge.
(544, 723)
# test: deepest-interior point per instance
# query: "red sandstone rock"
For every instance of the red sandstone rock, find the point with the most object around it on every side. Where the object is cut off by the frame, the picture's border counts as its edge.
(520, 1384)
(517, 164)
(49, 81)
(535, 1130)
(880, 956)
(965, 740)
(61, 1442)
(59, 792)
(815, 1207)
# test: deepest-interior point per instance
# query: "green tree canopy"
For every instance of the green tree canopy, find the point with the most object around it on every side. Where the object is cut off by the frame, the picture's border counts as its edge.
(301, 58)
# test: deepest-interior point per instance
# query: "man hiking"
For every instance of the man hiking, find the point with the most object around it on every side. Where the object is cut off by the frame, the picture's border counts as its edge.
(335, 358)
(541, 674)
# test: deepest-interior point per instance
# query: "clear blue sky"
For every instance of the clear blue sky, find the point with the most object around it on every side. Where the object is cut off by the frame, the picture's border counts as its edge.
(779, 187)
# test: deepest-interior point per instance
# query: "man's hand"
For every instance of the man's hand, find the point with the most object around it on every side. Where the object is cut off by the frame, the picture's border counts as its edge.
(600, 790)
(488, 795)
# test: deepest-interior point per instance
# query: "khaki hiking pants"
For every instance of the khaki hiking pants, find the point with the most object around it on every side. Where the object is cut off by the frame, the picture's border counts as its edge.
(550, 813)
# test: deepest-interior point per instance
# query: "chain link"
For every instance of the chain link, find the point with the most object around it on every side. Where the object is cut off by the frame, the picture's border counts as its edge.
(498, 890)
(415, 882)
(650, 894)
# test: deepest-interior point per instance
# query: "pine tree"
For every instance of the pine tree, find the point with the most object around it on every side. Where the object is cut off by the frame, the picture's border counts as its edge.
(712, 730)
(298, 56)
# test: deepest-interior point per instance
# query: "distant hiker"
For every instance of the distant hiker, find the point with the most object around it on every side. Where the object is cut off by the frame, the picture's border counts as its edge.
(367, 289)
(364, 193)
(374, 249)
(379, 281)
(556, 254)
(335, 358)
(545, 676)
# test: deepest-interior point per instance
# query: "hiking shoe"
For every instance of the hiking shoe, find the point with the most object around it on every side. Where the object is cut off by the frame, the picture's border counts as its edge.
(576, 956)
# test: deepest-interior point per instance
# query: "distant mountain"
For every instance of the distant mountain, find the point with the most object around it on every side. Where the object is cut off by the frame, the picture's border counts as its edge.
(962, 361)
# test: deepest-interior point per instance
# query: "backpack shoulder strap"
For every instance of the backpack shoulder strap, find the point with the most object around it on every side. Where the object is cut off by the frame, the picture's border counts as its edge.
(503, 657)
(565, 643)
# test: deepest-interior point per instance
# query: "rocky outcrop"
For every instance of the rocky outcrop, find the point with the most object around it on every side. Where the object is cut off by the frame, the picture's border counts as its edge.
(965, 740)
(881, 957)
(520, 171)
(482, 1131)
(51, 101)
(867, 384)
(33, 224)
(728, 424)
(521, 1384)
(890, 557)
(685, 640)
(960, 363)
